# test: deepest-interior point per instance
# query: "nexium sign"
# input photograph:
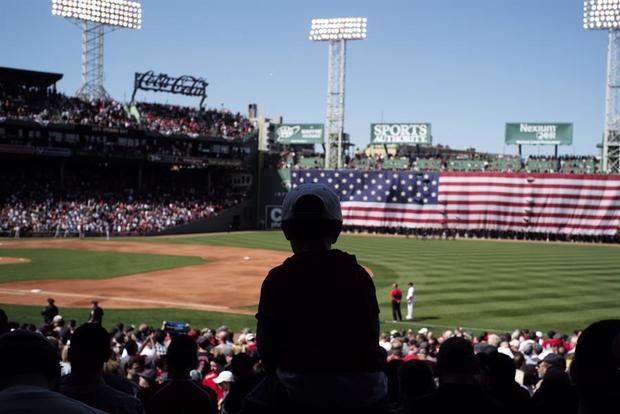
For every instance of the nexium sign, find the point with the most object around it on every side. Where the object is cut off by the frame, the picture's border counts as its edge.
(539, 134)
(419, 133)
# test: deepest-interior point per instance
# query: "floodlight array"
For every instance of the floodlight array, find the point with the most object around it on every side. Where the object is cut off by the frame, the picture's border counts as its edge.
(601, 14)
(344, 28)
(119, 13)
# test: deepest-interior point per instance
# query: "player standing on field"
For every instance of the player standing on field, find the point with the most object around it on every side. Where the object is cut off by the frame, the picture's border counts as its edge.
(396, 296)
(410, 301)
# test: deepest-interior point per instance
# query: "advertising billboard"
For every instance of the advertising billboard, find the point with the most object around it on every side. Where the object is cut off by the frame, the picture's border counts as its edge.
(401, 133)
(539, 133)
(299, 134)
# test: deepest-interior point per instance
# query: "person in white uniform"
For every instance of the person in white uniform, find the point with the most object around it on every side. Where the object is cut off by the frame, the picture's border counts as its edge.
(410, 301)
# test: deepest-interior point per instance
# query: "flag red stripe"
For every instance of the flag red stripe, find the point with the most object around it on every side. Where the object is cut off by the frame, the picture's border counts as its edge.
(529, 185)
(481, 203)
(575, 177)
(575, 196)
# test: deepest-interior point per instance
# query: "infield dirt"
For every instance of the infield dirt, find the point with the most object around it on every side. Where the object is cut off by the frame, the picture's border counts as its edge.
(13, 260)
(229, 281)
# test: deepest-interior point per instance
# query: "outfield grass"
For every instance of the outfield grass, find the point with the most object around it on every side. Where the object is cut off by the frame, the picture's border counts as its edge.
(478, 284)
(84, 264)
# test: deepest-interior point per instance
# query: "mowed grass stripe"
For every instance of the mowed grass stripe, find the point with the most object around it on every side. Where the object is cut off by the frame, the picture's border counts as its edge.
(83, 264)
(479, 283)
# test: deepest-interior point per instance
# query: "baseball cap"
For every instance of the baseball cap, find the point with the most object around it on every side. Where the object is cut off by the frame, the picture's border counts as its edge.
(225, 376)
(57, 319)
(331, 204)
(555, 360)
(506, 351)
(148, 374)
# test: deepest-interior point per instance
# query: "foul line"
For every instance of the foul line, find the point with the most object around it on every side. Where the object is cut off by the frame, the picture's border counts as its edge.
(184, 305)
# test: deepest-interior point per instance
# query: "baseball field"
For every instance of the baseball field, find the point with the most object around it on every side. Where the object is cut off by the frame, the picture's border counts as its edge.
(211, 280)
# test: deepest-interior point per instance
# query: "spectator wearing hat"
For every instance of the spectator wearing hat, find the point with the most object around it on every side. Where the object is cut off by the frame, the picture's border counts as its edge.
(179, 392)
(224, 380)
(245, 379)
(312, 221)
(554, 391)
(89, 350)
(548, 359)
(49, 311)
(147, 382)
(30, 371)
(216, 365)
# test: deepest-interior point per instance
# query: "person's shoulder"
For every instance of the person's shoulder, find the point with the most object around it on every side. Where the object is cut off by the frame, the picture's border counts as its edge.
(276, 273)
(36, 399)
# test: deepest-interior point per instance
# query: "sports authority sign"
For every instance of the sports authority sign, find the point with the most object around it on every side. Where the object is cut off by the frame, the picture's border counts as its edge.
(299, 134)
(401, 133)
(539, 134)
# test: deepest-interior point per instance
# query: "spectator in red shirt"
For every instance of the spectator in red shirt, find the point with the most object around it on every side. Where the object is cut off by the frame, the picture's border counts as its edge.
(396, 296)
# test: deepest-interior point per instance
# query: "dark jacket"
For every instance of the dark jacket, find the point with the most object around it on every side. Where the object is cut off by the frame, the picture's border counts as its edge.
(302, 298)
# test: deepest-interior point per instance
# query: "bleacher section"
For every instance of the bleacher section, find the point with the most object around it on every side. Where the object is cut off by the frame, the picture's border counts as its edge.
(427, 164)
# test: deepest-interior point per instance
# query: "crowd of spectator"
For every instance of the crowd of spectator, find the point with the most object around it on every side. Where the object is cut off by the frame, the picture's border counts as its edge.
(54, 107)
(169, 119)
(131, 368)
(85, 210)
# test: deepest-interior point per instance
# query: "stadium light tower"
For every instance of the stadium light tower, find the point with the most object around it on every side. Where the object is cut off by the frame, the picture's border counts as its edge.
(95, 16)
(605, 15)
(337, 32)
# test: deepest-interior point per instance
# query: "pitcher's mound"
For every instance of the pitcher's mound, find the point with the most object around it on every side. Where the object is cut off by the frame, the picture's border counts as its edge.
(13, 260)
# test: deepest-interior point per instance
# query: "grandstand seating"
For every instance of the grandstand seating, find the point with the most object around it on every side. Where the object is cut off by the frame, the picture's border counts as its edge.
(505, 164)
(467, 165)
(541, 165)
(396, 163)
(310, 162)
(427, 164)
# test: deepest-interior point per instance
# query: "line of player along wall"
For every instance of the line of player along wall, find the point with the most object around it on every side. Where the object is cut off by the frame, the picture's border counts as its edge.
(240, 217)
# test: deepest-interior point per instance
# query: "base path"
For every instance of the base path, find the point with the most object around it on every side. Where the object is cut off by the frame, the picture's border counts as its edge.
(228, 282)
(13, 260)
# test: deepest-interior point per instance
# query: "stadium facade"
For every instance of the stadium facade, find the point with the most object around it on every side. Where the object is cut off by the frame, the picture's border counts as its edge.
(72, 166)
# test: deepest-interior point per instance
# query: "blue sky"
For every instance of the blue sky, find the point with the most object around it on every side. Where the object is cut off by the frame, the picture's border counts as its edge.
(467, 67)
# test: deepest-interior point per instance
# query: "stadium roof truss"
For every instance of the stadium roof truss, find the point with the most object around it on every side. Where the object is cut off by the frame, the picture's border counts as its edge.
(94, 17)
(336, 31)
(605, 15)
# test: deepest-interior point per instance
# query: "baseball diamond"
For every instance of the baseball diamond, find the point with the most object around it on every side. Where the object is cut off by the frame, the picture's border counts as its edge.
(200, 226)
(474, 283)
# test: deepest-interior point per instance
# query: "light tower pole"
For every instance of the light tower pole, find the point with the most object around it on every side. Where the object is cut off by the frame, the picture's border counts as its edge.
(95, 16)
(336, 32)
(605, 15)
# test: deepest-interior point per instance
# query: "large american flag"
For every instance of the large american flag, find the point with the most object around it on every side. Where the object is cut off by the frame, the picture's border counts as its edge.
(537, 203)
